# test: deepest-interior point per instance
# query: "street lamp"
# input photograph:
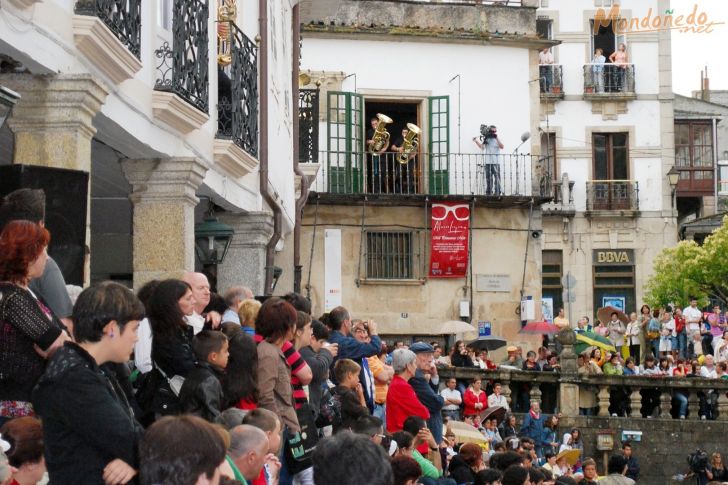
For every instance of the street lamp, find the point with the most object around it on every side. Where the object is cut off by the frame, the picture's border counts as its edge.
(212, 240)
(8, 98)
(672, 178)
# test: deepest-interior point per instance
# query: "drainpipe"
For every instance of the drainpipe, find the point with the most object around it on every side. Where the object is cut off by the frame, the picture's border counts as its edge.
(301, 202)
(264, 191)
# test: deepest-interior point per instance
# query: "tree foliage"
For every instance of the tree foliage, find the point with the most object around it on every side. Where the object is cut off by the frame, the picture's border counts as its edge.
(688, 269)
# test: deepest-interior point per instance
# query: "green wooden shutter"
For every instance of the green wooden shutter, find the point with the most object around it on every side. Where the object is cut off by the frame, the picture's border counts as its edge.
(439, 143)
(344, 130)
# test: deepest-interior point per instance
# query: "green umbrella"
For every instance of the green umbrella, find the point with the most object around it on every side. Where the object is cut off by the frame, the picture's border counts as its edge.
(584, 340)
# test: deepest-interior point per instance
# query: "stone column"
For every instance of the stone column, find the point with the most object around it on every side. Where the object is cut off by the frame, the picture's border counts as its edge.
(245, 260)
(568, 385)
(52, 124)
(163, 195)
(52, 121)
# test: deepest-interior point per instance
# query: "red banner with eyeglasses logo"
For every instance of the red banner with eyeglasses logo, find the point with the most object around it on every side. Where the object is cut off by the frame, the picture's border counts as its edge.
(449, 239)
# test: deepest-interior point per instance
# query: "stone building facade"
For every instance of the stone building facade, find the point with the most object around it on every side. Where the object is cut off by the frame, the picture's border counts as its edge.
(610, 130)
(175, 109)
(446, 69)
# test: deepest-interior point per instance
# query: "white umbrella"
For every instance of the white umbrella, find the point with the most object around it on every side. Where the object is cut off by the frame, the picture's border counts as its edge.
(454, 326)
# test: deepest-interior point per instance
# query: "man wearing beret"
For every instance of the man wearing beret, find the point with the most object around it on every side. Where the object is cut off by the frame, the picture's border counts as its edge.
(425, 382)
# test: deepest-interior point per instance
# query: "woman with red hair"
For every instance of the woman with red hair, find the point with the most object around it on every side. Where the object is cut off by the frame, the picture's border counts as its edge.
(29, 331)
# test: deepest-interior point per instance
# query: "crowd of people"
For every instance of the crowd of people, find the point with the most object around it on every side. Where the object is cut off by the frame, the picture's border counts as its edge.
(178, 385)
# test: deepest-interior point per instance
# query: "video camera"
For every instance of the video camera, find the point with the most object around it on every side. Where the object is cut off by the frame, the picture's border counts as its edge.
(488, 131)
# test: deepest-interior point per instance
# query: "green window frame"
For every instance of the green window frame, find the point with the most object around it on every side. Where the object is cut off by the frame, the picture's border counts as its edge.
(438, 108)
(345, 141)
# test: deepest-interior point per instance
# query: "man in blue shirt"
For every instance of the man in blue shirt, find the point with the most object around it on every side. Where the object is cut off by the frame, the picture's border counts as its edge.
(425, 384)
(349, 347)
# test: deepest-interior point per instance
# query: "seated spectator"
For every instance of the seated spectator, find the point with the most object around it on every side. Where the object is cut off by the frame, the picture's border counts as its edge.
(25, 454)
(550, 463)
(247, 314)
(201, 393)
(589, 468)
(269, 423)
(370, 426)
(424, 442)
(503, 461)
(616, 468)
(351, 459)
(404, 441)
(508, 427)
(181, 450)
(487, 477)
(453, 400)
(231, 418)
(349, 393)
(234, 297)
(89, 428)
(515, 475)
(406, 470)
(536, 475)
(466, 463)
(248, 454)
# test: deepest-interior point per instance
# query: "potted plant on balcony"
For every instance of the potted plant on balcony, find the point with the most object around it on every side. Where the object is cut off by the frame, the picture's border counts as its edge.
(556, 89)
(589, 88)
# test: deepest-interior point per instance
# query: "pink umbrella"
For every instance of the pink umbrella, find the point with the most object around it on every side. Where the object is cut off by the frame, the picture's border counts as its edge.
(540, 328)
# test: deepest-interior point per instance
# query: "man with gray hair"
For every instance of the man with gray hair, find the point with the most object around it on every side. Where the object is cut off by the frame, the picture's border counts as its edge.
(234, 297)
(402, 401)
(247, 454)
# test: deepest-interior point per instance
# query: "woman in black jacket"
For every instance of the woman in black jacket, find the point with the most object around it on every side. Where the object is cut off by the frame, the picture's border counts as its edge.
(90, 433)
(172, 356)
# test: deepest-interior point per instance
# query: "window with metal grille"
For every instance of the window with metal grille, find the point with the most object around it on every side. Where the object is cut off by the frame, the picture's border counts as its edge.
(390, 255)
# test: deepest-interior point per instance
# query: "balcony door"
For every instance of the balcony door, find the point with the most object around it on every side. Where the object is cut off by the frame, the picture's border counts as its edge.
(439, 143)
(611, 165)
(344, 130)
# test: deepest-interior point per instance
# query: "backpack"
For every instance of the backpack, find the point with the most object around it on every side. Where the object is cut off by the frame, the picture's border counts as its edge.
(330, 411)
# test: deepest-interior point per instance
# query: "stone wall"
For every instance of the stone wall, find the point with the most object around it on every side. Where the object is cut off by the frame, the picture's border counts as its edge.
(665, 445)
(427, 16)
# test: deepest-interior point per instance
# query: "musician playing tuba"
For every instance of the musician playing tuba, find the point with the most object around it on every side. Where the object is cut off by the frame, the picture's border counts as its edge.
(406, 148)
(377, 142)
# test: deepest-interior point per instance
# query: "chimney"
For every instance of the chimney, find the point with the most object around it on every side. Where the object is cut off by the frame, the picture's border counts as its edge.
(705, 87)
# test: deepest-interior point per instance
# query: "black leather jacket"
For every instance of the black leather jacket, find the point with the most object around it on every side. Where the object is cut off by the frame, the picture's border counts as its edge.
(201, 394)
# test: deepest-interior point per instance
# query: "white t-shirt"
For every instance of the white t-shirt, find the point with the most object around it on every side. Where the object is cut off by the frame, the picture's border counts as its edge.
(691, 313)
(196, 321)
(143, 347)
(709, 373)
(453, 394)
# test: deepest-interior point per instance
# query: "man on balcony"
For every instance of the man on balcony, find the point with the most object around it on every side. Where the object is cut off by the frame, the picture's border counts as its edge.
(545, 69)
(491, 146)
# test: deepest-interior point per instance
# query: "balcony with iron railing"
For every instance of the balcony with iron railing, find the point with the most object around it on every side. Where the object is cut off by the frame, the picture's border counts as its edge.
(237, 109)
(605, 197)
(122, 17)
(609, 81)
(506, 179)
(550, 81)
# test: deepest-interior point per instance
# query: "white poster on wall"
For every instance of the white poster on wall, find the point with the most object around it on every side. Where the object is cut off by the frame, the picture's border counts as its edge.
(332, 269)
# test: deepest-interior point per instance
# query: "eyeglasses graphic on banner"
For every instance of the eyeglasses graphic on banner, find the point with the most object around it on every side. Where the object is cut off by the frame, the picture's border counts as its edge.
(461, 212)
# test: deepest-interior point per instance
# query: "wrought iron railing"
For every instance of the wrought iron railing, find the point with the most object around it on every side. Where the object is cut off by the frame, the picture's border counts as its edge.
(122, 17)
(183, 68)
(550, 80)
(308, 125)
(608, 79)
(494, 176)
(612, 195)
(238, 102)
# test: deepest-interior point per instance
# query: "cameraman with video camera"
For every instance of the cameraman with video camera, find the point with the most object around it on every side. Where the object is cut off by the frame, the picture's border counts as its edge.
(491, 146)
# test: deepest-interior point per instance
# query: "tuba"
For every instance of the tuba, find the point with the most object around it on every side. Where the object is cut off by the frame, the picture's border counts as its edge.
(226, 14)
(410, 144)
(381, 135)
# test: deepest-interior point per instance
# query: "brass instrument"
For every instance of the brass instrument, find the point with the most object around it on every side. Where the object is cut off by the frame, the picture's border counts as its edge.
(226, 13)
(381, 135)
(304, 79)
(410, 144)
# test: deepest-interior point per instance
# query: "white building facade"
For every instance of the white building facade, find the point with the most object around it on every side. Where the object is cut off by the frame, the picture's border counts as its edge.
(610, 128)
(140, 96)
